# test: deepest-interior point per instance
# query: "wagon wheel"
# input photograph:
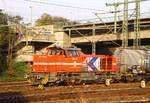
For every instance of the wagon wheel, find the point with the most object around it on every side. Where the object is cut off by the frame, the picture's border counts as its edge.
(138, 78)
(100, 80)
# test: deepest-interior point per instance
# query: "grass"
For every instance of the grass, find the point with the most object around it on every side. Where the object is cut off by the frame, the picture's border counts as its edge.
(20, 69)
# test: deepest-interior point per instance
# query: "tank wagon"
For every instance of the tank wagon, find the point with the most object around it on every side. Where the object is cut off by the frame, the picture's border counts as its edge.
(131, 58)
(135, 63)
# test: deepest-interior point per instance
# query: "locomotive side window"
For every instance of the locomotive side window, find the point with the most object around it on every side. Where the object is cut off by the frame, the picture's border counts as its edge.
(55, 52)
(40, 52)
(73, 53)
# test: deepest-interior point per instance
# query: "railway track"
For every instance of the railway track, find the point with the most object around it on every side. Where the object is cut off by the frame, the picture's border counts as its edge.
(28, 89)
(13, 86)
(122, 95)
(24, 93)
(13, 83)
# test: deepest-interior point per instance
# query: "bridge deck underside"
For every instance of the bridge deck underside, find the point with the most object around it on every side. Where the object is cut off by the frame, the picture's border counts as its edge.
(104, 47)
(84, 33)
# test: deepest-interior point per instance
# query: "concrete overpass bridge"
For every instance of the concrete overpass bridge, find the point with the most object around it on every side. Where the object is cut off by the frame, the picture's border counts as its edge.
(31, 40)
(84, 35)
(25, 48)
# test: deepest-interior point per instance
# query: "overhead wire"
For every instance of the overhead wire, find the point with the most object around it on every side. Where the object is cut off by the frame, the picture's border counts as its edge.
(65, 6)
(75, 7)
(68, 6)
(110, 29)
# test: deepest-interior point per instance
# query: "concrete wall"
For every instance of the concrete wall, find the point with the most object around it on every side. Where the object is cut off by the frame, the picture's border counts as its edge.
(25, 54)
(62, 39)
(43, 30)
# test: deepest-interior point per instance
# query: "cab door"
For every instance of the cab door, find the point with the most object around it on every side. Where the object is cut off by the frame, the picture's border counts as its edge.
(74, 61)
(55, 60)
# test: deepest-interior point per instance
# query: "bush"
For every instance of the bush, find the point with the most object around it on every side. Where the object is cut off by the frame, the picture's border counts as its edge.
(20, 68)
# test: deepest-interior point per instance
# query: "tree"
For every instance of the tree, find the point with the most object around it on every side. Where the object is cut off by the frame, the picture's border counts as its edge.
(16, 19)
(7, 39)
(57, 21)
(45, 19)
(60, 21)
(14, 32)
(4, 30)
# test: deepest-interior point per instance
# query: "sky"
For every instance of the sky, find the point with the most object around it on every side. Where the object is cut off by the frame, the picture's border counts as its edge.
(79, 10)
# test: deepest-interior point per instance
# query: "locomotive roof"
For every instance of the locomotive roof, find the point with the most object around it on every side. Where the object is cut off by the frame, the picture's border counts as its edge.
(66, 48)
(71, 48)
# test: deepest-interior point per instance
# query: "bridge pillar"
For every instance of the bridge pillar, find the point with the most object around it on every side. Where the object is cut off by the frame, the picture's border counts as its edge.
(93, 42)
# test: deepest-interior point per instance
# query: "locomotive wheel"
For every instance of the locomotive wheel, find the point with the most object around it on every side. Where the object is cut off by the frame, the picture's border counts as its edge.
(123, 79)
(130, 78)
(70, 82)
(51, 84)
(77, 81)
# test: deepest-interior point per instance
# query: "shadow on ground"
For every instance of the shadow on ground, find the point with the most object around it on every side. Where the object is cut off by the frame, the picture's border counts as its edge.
(12, 97)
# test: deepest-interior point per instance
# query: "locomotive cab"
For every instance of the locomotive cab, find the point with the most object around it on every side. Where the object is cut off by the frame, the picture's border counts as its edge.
(66, 52)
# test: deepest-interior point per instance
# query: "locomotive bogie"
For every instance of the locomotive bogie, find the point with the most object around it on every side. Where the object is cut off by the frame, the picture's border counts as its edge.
(72, 78)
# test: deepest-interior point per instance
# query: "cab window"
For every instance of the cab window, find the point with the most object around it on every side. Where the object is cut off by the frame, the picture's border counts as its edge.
(73, 53)
(55, 52)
